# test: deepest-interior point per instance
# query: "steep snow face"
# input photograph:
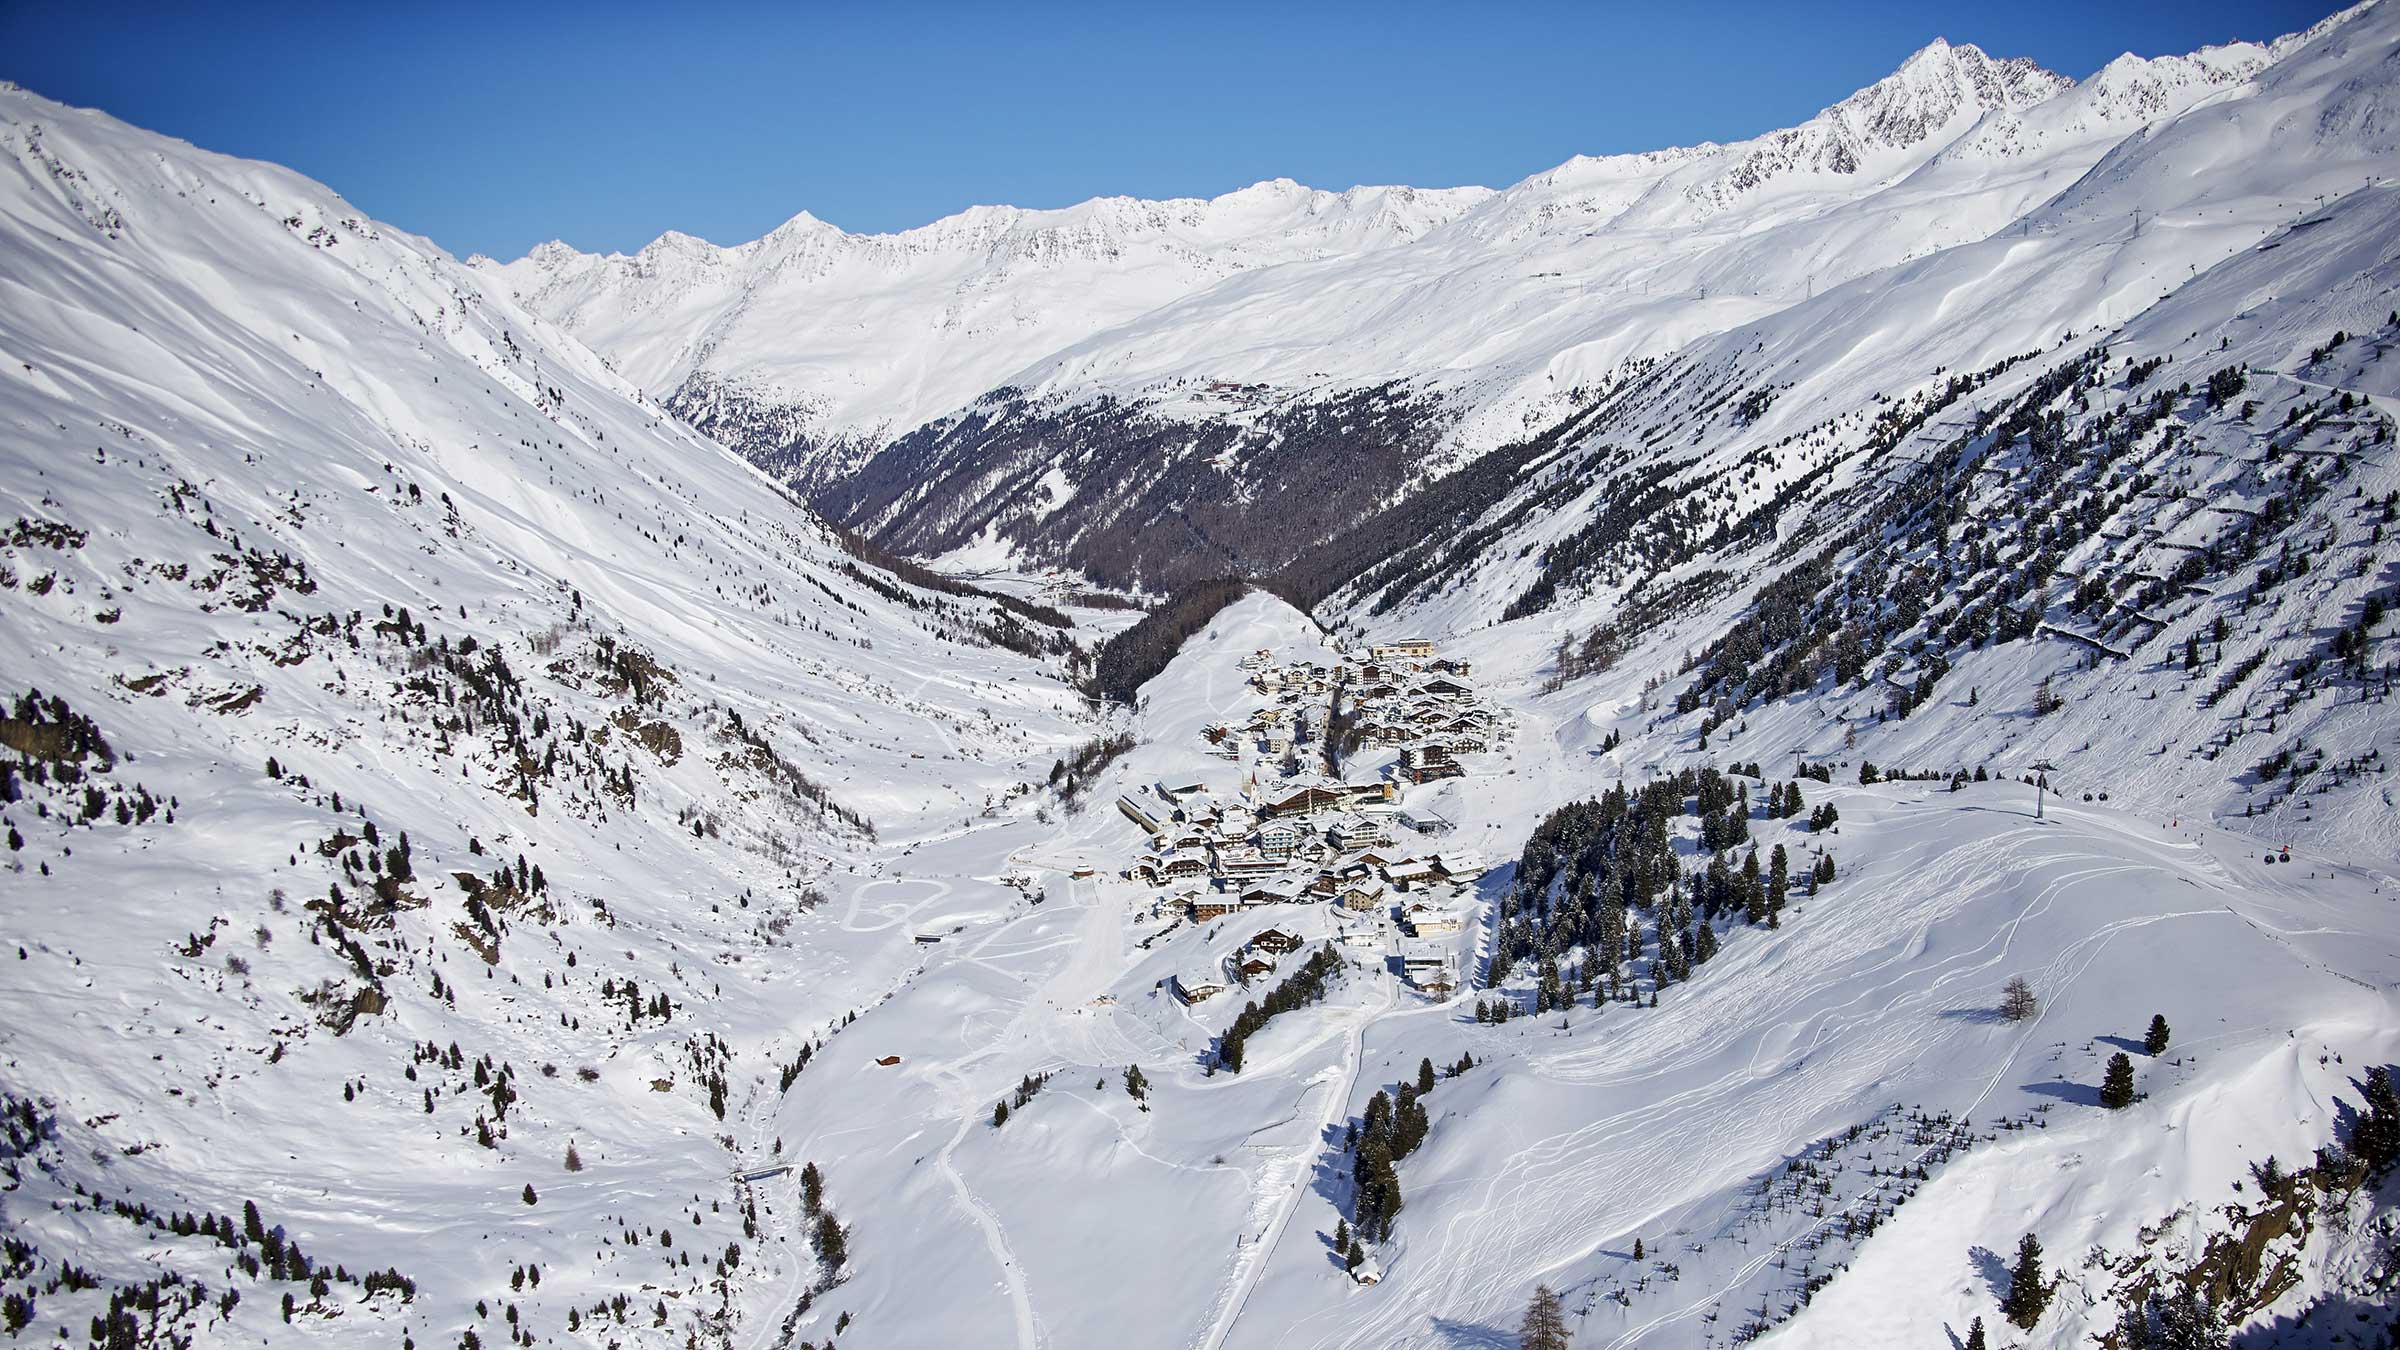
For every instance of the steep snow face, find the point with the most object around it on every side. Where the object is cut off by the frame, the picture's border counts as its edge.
(1530, 304)
(442, 760)
(1907, 113)
(1840, 153)
(1985, 238)
(2127, 93)
(2253, 211)
(880, 332)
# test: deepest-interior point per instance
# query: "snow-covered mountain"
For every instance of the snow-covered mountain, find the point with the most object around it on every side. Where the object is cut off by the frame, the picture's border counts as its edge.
(429, 770)
(1478, 317)
(873, 334)
(499, 834)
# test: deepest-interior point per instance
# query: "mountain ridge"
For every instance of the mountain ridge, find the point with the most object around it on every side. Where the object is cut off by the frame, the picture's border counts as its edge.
(1509, 315)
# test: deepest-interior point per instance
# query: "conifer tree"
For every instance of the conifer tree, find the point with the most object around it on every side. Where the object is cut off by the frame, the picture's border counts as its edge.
(2133, 1328)
(2116, 1086)
(833, 1245)
(2376, 1136)
(2046, 700)
(2027, 1297)
(1424, 1076)
(2188, 1321)
(1975, 1335)
(1378, 1188)
(2155, 1042)
(1409, 1125)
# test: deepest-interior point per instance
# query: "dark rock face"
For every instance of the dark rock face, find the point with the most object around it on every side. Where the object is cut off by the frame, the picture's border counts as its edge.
(782, 437)
(1113, 488)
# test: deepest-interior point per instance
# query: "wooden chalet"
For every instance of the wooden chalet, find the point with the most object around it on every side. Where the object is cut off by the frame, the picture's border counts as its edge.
(1277, 940)
(1303, 802)
(1192, 988)
(1424, 920)
(1361, 896)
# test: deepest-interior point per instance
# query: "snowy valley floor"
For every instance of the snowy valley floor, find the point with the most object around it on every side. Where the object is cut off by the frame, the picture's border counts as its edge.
(1206, 1220)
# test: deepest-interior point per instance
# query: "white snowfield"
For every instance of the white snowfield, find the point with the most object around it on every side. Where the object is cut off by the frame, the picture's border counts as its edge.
(281, 483)
(876, 333)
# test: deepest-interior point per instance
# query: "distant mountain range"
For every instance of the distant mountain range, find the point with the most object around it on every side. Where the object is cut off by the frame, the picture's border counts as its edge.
(1045, 383)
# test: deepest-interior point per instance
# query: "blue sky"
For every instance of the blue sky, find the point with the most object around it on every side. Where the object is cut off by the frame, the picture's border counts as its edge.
(494, 128)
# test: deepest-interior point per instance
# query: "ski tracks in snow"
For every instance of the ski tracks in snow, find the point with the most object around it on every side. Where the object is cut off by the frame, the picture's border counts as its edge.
(995, 1241)
(1260, 1254)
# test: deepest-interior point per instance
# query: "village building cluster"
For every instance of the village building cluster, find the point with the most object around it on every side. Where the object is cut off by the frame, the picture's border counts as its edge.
(1316, 816)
